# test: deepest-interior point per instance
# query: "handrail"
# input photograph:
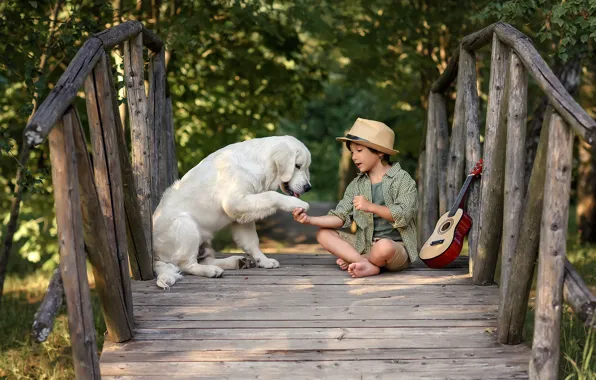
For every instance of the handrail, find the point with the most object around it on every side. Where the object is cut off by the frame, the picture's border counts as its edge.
(562, 101)
(62, 95)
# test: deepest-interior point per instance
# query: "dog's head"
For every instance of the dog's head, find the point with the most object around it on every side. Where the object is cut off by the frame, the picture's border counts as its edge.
(292, 161)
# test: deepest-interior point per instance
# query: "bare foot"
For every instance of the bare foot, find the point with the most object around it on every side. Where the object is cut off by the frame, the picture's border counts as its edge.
(343, 265)
(363, 268)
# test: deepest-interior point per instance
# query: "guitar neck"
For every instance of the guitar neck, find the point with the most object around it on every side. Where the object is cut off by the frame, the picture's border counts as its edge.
(461, 195)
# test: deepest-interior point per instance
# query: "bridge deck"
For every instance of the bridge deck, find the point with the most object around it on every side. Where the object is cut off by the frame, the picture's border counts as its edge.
(310, 320)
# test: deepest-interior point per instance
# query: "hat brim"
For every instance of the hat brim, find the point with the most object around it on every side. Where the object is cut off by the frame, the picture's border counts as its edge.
(369, 144)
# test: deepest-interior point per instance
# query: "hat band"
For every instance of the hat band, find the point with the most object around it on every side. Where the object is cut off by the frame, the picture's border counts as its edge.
(352, 137)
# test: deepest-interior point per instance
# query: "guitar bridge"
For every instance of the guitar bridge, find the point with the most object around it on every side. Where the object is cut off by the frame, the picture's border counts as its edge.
(437, 242)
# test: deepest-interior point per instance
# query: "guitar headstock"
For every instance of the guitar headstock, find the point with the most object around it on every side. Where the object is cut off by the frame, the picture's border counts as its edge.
(477, 169)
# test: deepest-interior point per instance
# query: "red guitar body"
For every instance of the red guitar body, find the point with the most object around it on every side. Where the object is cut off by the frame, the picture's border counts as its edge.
(454, 249)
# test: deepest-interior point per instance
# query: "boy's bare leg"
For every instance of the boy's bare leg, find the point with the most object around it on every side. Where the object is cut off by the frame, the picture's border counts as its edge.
(338, 247)
(382, 251)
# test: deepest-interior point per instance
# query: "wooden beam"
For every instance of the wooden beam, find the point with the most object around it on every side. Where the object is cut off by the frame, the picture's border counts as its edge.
(156, 119)
(141, 136)
(491, 193)
(62, 95)
(442, 152)
(455, 169)
(72, 250)
(119, 33)
(551, 263)
(578, 295)
(514, 170)
(430, 200)
(172, 161)
(467, 66)
(512, 313)
(43, 321)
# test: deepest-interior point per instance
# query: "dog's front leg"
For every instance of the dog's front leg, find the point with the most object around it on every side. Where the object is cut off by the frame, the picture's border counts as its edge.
(245, 235)
(245, 208)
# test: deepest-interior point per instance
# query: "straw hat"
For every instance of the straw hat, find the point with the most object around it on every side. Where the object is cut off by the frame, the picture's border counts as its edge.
(372, 134)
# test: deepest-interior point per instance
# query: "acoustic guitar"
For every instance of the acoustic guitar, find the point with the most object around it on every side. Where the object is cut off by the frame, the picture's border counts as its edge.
(446, 241)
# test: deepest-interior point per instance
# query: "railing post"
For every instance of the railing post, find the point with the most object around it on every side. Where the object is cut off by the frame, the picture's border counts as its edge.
(141, 135)
(491, 209)
(457, 145)
(513, 312)
(514, 176)
(430, 197)
(551, 263)
(72, 249)
(156, 118)
(442, 148)
(467, 66)
(172, 162)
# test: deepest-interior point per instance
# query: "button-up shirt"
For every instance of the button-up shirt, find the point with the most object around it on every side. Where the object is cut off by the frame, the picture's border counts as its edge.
(401, 197)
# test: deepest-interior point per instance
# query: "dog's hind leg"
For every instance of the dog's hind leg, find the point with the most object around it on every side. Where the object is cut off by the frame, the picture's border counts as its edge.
(245, 235)
(207, 256)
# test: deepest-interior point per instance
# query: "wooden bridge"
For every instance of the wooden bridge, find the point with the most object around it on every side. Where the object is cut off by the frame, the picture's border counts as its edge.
(308, 319)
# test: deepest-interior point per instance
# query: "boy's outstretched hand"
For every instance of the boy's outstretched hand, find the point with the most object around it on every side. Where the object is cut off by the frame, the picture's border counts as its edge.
(300, 216)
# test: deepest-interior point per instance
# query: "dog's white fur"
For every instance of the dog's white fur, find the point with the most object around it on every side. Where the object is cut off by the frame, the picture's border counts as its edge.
(235, 186)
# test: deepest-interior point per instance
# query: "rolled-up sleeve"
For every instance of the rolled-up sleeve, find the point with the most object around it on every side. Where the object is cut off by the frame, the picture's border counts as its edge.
(345, 208)
(405, 206)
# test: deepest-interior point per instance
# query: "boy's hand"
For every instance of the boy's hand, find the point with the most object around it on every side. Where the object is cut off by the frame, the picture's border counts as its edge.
(360, 203)
(300, 216)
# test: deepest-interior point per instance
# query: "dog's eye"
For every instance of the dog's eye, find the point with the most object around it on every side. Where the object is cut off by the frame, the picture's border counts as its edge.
(298, 166)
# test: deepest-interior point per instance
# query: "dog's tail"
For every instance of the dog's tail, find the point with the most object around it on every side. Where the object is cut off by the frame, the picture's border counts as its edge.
(167, 273)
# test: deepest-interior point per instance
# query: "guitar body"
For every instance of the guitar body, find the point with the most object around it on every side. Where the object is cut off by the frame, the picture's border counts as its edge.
(446, 241)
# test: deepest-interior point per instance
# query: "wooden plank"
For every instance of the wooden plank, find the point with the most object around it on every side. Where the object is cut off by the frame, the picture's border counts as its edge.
(141, 136)
(116, 302)
(72, 250)
(108, 180)
(430, 200)
(491, 210)
(442, 149)
(378, 369)
(354, 354)
(467, 66)
(333, 270)
(315, 312)
(299, 324)
(63, 93)
(513, 312)
(514, 173)
(172, 161)
(551, 263)
(156, 123)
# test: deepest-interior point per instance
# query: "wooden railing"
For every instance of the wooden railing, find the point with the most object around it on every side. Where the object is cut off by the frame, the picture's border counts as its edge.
(103, 209)
(508, 219)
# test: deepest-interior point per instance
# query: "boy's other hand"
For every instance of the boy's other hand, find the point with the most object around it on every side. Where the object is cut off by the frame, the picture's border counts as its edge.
(360, 203)
(300, 216)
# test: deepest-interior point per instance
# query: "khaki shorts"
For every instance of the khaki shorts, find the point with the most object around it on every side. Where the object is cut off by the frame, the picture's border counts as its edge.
(398, 262)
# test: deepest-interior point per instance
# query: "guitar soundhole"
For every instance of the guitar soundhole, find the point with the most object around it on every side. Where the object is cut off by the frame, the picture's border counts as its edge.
(445, 226)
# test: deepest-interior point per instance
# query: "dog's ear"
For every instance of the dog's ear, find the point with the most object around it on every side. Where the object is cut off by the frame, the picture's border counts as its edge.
(284, 158)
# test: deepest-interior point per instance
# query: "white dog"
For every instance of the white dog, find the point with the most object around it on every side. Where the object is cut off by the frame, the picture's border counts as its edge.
(235, 186)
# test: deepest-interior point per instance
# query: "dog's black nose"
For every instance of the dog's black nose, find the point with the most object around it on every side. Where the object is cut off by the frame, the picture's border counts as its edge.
(307, 187)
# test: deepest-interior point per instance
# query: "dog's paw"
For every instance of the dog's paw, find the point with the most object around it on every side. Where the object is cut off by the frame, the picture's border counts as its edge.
(246, 262)
(213, 271)
(268, 263)
(293, 203)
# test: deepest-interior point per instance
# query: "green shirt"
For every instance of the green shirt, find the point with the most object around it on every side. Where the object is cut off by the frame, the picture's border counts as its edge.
(401, 197)
(382, 229)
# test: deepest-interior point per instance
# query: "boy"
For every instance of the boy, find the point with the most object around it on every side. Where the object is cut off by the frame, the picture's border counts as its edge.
(382, 200)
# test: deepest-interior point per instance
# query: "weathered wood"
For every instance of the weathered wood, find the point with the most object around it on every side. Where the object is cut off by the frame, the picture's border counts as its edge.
(457, 145)
(551, 264)
(116, 301)
(172, 161)
(43, 321)
(63, 93)
(512, 314)
(151, 40)
(479, 39)
(156, 119)
(578, 295)
(467, 66)
(141, 136)
(119, 33)
(573, 114)
(431, 190)
(138, 252)
(514, 169)
(491, 210)
(442, 83)
(420, 217)
(108, 179)
(72, 251)
(442, 151)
